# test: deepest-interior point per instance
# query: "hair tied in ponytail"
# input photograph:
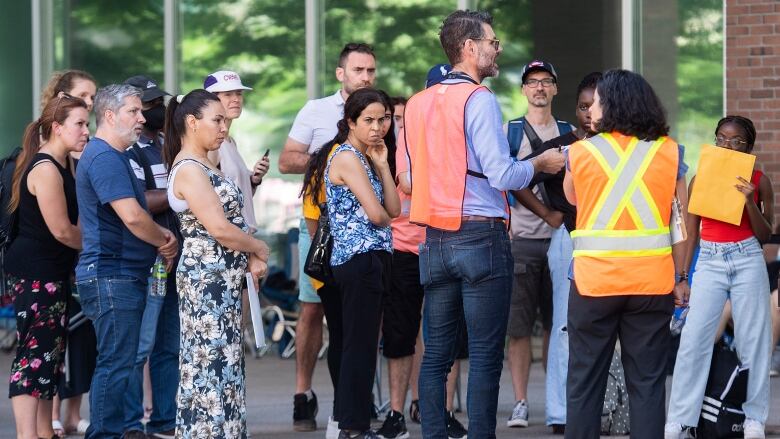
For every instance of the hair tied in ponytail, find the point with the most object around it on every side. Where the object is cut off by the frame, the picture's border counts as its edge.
(179, 98)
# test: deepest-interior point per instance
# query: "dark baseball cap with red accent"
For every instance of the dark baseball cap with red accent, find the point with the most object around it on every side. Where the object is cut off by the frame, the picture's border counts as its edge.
(537, 65)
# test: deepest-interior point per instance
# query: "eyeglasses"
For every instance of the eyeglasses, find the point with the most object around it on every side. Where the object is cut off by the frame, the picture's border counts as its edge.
(496, 43)
(733, 142)
(533, 83)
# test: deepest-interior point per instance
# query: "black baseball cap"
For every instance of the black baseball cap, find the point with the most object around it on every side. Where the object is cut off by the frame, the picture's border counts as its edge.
(537, 65)
(149, 87)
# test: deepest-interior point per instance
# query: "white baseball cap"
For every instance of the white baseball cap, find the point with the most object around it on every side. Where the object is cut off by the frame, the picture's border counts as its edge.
(223, 80)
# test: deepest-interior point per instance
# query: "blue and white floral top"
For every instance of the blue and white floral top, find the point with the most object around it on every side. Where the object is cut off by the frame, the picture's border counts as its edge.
(350, 227)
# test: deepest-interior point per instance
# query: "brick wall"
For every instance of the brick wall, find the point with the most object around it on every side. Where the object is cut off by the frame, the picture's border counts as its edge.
(753, 77)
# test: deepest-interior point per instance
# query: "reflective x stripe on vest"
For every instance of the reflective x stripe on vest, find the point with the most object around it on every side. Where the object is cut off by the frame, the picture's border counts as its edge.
(625, 190)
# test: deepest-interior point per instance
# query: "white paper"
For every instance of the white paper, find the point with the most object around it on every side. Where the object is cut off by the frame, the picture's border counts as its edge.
(256, 311)
(677, 223)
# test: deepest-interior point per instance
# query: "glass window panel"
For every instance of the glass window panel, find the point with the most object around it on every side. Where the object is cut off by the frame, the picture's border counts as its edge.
(111, 39)
(264, 42)
(404, 33)
(682, 56)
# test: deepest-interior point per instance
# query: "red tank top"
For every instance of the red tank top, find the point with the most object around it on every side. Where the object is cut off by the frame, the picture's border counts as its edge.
(717, 231)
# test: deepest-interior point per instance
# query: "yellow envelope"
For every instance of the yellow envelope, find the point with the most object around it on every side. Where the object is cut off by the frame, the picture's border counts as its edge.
(714, 195)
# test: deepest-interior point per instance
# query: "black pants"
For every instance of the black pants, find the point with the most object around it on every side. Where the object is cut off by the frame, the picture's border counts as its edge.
(402, 306)
(362, 281)
(594, 323)
(331, 304)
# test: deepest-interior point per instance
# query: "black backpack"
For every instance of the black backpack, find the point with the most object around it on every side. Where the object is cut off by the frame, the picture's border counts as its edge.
(7, 219)
(721, 412)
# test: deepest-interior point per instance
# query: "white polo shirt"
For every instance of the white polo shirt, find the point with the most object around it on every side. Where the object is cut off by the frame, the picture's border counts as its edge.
(316, 123)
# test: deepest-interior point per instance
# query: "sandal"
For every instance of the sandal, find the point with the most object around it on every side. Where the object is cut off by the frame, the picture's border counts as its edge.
(59, 430)
(414, 411)
(80, 430)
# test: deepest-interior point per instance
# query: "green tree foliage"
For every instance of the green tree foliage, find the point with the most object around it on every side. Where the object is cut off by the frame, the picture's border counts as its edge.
(264, 40)
(699, 74)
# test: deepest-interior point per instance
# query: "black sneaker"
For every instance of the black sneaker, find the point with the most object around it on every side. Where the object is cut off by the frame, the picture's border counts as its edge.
(558, 429)
(305, 412)
(394, 427)
(455, 429)
(414, 411)
(368, 434)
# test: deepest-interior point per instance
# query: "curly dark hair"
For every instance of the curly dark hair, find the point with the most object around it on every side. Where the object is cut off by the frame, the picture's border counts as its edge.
(589, 82)
(745, 124)
(630, 106)
(314, 177)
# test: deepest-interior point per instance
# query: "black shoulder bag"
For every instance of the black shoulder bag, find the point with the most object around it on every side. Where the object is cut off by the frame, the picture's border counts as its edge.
(317, 263)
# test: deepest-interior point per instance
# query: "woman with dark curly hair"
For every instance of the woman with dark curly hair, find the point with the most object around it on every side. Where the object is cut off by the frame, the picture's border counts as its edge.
(622, 181)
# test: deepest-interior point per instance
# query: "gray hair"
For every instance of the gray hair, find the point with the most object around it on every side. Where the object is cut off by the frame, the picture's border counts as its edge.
(112, 97)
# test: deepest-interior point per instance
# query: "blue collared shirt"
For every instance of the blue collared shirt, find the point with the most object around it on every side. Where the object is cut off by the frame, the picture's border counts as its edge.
(488, 153)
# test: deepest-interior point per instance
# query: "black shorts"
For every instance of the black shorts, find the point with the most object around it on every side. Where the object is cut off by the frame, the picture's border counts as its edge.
(531, 287)
(402, 306)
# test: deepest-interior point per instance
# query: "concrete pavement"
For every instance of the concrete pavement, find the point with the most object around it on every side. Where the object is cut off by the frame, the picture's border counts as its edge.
(270, 383)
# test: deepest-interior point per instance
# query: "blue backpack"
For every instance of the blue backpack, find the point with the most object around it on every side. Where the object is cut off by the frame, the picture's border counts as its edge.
(515, 132)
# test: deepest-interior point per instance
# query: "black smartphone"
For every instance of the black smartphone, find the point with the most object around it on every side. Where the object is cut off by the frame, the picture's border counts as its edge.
(267, 151)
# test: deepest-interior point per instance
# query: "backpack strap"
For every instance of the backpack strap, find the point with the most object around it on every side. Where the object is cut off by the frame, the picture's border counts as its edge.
(145, 165)
(515, 131)
(10, 224)
(563, 127)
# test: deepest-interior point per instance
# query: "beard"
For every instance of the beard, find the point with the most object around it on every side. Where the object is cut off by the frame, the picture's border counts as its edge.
(539, 101)
(350, 88)
(130, 135)
(487, 67)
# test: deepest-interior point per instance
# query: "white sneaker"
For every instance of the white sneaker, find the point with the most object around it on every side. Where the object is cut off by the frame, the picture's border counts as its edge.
(753, 429)
(673, 430)
(333, 429)
(519, 416)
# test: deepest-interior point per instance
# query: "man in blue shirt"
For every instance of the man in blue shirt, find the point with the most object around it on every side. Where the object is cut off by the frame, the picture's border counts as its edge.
(469, 271)
(159, 339)
(120, 241)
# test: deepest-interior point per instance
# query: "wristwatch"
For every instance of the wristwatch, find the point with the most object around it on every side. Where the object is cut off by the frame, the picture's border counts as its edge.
(681, 277)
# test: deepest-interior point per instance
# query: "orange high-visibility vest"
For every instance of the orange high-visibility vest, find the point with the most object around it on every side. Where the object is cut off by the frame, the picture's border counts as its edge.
(436, 143)
(624, 188)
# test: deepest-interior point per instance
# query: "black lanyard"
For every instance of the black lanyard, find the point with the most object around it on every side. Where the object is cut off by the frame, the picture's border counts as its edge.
(460, 75)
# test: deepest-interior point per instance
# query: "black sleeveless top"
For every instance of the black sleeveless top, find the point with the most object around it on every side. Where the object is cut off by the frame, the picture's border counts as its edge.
(34, 252)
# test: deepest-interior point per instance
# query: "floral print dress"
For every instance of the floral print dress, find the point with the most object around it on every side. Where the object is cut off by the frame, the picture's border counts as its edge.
(211, 397)
(41, 319)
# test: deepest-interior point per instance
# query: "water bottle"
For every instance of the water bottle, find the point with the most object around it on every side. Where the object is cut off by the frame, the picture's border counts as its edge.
(678, 319)
(159, 278)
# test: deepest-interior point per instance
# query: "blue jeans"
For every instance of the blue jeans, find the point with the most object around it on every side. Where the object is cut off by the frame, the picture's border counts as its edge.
(159, 342)
(559, 260)
(115, 305)
(734, 271)
(464, 273)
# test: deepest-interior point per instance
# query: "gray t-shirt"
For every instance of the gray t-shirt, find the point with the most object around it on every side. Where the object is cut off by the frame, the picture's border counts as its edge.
(525, 224)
